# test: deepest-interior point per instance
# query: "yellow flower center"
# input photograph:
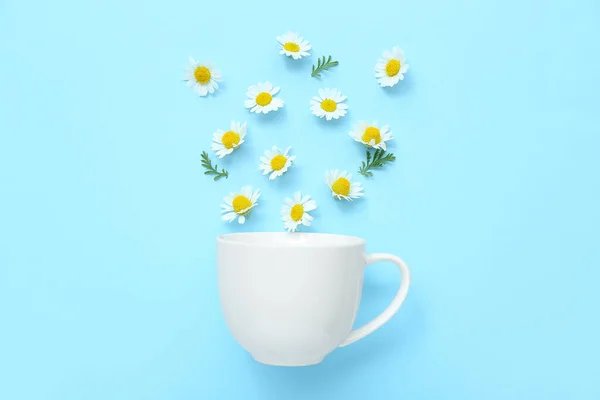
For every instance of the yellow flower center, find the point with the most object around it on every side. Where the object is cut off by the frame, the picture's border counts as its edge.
(240, 203)
(371, 133)
(263, 99)
(328, 105)
(202, 75)
(392, 68)
(291, 46)
(297, 212)
(341, 187)
(230, 139)
(278, 162)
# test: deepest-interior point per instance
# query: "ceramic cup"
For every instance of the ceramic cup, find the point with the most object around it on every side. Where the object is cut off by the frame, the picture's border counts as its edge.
(291, 298)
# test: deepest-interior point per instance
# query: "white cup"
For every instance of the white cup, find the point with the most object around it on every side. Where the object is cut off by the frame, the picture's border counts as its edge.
(291, 298)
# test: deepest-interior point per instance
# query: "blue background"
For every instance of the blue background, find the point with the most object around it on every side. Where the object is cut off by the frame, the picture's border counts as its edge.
(108, 283)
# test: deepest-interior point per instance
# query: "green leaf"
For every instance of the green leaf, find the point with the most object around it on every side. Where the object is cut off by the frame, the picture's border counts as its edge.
(322, 65)
(379, 159)
(210, 170)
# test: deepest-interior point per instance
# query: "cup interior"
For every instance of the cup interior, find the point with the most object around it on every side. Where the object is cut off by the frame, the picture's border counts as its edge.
(296, 239)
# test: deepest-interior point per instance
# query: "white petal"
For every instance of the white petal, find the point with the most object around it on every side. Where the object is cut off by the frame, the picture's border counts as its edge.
(252, 91)
(201, 90)
(277, 103)
(246, 191)
(229, 216)
(291, 226)
(310, 205)
(400, 55)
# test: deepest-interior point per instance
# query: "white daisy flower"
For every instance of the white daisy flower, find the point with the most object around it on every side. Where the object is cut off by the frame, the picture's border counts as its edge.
(226, 142)
(371, 135)
(238, 205)
(341, 185)
(295, 212)
(203, 77)
(262, 98)
(276, 162)
(390, 69)
(293, 45)
(329, 104)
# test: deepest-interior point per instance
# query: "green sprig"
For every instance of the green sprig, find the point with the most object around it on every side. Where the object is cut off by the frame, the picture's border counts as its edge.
(379, 159)
(322, 65)
(210, 170)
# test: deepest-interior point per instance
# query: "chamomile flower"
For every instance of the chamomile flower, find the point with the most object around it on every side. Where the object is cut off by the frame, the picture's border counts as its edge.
(262, 98)
(203, 77)
(238, 205)
(341, 185)
(276, 162)
(295, 212)
(293, 45)
(226, 142)
(390, 69)
(371, 134)
(329, 104)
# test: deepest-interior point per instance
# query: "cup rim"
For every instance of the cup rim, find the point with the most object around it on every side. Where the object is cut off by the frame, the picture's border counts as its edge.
(328, 240)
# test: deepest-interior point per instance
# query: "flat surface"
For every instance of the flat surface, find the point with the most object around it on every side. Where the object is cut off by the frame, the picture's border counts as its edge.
(108, 282)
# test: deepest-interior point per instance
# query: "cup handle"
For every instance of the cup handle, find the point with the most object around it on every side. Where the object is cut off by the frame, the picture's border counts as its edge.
(392, 309)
